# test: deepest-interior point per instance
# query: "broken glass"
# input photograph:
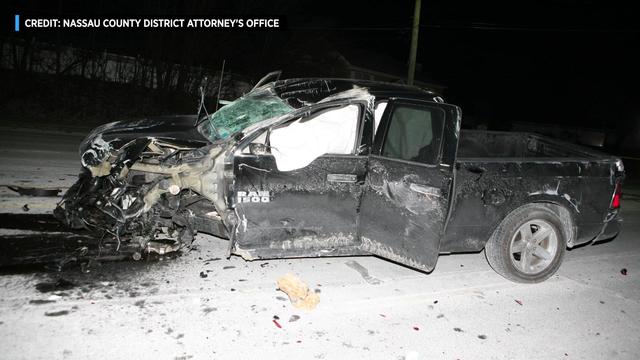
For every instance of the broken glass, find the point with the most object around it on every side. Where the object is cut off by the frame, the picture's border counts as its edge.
(259, 105)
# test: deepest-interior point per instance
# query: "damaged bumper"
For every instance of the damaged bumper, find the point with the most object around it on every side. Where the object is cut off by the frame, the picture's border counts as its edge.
(610, 230)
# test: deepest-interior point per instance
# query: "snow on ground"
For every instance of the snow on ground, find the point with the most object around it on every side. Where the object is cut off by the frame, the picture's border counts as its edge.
(200, 305)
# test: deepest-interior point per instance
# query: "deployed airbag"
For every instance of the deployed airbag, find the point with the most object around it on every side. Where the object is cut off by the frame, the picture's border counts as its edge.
(298, 144)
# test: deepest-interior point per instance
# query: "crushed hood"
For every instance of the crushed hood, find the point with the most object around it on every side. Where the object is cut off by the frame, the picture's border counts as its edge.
(176, 129)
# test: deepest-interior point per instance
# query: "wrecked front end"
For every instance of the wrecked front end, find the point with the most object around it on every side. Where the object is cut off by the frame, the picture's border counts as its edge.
(149, 194)
(156, 182)
(282, 173)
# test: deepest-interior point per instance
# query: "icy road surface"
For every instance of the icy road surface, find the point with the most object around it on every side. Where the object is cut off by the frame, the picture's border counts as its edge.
(202, 306)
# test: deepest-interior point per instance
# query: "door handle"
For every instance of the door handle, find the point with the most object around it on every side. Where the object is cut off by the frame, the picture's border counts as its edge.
(343, 178)
(426, 190)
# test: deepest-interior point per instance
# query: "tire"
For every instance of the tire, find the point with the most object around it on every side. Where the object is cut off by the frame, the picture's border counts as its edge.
(528, 246)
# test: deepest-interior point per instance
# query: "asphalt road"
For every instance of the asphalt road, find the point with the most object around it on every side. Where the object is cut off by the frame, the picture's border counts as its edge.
(201, 305)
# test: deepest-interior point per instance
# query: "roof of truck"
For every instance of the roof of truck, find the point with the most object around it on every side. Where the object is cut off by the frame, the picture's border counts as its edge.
(313, 90)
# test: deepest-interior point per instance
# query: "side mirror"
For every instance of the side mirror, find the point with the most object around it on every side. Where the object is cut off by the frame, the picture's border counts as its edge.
(258, 149)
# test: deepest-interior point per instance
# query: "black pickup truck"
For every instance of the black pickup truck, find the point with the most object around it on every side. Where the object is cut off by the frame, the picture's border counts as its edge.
(336, 167)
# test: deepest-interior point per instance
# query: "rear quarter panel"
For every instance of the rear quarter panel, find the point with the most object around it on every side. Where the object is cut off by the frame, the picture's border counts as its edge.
(487, 190)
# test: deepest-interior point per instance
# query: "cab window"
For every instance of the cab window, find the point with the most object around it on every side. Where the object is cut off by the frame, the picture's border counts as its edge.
(414, 133)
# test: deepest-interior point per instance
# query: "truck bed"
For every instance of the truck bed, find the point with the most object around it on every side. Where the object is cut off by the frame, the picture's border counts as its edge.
(497, 172)
(499, 144)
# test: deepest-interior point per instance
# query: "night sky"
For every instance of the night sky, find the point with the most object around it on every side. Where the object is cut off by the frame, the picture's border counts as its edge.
(560, 62)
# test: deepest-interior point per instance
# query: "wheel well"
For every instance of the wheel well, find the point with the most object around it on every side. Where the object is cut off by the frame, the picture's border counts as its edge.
(564, 214)
(566, 217)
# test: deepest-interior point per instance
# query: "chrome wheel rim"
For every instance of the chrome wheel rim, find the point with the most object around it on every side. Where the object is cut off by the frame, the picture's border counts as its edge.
(533, 246)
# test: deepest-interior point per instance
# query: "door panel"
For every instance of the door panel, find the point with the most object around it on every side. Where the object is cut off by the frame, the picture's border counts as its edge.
(406, 198)
(304, 212)
(403, 211)
(295, 201)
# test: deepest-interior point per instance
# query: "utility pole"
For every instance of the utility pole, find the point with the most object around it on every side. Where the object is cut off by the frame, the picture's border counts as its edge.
(414, 43)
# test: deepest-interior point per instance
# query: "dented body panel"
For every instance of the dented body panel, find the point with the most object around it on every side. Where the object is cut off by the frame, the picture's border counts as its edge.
(404, 211)
(486, 191)
(498, 172)
(157, 182)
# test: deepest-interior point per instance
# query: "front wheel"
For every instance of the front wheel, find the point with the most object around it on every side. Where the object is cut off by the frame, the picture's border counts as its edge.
(528, 246)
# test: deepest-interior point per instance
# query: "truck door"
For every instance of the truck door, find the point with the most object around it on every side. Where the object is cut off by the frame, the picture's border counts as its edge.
(300, 196)
(409, 182)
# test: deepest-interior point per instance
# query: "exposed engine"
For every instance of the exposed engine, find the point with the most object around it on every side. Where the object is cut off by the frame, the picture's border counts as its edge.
(149, 194)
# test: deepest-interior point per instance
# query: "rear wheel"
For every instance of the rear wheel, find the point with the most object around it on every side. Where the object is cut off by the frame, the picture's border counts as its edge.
(528, 246)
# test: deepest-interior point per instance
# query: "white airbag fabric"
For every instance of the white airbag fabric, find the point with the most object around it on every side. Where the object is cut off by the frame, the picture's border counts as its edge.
(298, 144)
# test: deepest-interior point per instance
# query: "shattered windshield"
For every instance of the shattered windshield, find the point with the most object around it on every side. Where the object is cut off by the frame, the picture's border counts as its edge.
(258, 105)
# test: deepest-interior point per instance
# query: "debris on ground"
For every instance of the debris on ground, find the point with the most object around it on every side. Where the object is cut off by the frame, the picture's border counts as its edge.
(57, 313)
(363, 271)
(519, 302)
(277, 323)
(40, 302)
(623, 271)
(203, 274)
(209, 309)
(294, 318)
(298, 292)
(25, 208)
(59, 285)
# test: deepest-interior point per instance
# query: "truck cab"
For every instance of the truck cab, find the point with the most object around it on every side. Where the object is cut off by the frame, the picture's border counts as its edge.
(371, 172)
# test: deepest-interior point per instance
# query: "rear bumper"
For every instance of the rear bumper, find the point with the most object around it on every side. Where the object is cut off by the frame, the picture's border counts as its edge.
(609, 230)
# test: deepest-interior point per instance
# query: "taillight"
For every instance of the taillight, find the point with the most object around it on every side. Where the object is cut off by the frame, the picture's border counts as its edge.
(617, 195)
